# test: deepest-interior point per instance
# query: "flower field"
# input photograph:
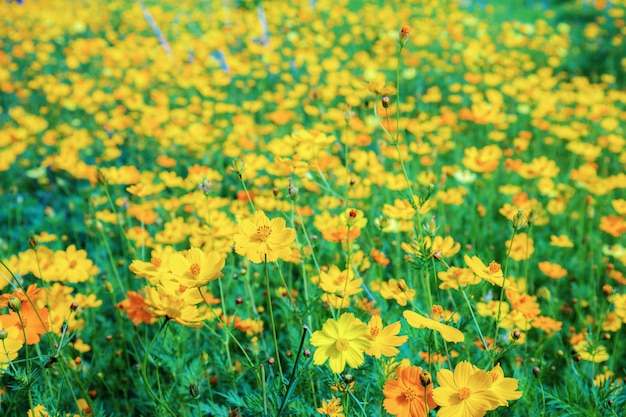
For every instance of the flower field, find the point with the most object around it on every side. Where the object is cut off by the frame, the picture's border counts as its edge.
(312, 208)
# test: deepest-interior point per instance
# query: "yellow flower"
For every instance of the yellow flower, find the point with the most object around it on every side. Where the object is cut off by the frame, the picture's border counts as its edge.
(38, 411)
(561, 241)
(196, 268)
(449, 333)
(162, 302)
(554, 271)
(341, 342)
(398, 290)
(262, 239)
(504, 388)
(591, 352)
(10, 346)
(464, 393)
(521, 247)
(331, 408)
(491, 273)
(385, 340)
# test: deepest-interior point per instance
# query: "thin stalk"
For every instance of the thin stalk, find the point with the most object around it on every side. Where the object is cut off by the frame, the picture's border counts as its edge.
(292, 379)
(272, 321)
(504, 273)
(144, 373)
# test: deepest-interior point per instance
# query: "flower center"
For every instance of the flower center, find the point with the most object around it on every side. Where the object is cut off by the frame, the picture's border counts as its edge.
(493, 375)
(410, 394)
(494, 267)
(263, 232)
(73, 263)
(156, 262)
(464, 393)
(374, 331)
(342, 344)
(195, 270)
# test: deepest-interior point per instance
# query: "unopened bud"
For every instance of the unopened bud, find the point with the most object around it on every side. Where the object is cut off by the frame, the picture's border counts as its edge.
(15, 304)
(74, 306)
(425, 378)
(405, 32)
(32, 241)
(3, 334)
(205, 186)
(385, 102)
(195, 391)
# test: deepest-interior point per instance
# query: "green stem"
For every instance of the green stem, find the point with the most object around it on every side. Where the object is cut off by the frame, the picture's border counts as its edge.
(272, 321)
(501, 300)
(144, 373)
(292, 379)
(225, 327)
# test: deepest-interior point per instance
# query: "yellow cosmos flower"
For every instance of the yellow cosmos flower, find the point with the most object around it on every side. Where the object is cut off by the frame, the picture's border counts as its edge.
(332, 408)
(492, 273)
(504, 388)
(164, 303)
(449, 333)
(562, 241)
(464, 393)
(591, 352)
(341, 342)
(385, 340)
(196, 268)
(262, 239)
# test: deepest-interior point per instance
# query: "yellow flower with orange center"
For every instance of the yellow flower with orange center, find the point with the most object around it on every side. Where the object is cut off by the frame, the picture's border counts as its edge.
(262, 239)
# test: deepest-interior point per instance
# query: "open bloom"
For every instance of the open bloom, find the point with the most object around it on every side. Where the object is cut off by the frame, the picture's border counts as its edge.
(341, 342)
(332, 408)
(464, 393)
(505, 388)
(385, 340)
(262, 239)
(196, 268)
(492, 273)
(410, 393)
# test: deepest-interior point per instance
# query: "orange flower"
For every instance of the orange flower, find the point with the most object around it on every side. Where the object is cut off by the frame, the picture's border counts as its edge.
(379, 257)
(410, 393)
(28, 321)
(554, 271)
(135, 307)
(613, 225)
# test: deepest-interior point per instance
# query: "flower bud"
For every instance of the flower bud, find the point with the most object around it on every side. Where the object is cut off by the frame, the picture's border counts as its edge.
(3, 334)
(405, 32)
(385, 102)
(195, 390)
(74, 306)
(15, 304)
(425, 378)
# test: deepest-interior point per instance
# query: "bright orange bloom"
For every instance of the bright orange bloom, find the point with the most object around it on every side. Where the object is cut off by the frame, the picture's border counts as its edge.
(135, 307)
(554, 271)
(33, 323)
(410, 393)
